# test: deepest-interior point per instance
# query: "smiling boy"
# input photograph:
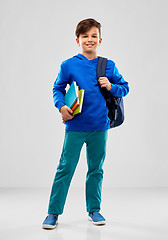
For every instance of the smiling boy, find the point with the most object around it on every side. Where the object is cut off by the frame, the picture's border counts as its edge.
(90, 126)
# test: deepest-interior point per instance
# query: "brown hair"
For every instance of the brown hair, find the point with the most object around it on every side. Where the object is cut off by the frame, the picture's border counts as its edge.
(85, 25)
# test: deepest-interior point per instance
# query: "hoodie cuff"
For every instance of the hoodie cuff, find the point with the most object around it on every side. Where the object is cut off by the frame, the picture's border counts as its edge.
(60, 105)
(113, 89)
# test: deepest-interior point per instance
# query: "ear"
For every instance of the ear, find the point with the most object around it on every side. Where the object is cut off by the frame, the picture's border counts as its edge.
(77, 40)
(100, 40)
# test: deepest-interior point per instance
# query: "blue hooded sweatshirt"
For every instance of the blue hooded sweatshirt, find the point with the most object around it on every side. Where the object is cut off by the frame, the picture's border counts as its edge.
(94, 115)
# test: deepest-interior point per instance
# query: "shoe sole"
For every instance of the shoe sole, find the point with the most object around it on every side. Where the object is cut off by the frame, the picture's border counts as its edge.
(45, 226)
(97, 223)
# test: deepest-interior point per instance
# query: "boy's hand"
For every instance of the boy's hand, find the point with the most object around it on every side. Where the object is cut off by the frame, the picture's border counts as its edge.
(104, 82)
(66, 113)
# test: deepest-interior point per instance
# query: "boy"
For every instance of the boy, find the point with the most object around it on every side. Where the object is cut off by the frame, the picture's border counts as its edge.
(88, 127)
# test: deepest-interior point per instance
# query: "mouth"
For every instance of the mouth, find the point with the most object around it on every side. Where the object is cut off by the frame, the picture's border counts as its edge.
(89, 45)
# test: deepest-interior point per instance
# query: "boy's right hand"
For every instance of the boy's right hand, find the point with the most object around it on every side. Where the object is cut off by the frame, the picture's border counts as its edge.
(66, 113)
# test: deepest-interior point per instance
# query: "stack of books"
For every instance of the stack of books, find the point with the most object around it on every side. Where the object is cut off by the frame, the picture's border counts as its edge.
(74, 98)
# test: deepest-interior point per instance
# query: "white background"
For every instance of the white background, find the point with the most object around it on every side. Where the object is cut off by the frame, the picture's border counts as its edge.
(36, 36)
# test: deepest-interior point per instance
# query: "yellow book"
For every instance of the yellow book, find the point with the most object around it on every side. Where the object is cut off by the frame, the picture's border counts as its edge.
(81, 97)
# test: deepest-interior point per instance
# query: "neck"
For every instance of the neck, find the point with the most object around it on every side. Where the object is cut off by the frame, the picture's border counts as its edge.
(90, 56)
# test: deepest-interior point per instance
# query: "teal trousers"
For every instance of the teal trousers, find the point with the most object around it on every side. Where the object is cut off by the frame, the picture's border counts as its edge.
(96, 151)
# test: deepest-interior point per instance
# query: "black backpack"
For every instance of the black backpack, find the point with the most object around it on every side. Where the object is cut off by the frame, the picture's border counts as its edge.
(115, 104)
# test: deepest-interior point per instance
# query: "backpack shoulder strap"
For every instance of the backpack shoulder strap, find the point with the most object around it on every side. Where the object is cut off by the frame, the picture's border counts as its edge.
(101, 72)
(101, 67)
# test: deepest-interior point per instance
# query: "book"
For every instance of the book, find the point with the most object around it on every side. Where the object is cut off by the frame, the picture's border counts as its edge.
(81, 97)
(75, 105)
(77, 101)
(72, 95)
(74, 98)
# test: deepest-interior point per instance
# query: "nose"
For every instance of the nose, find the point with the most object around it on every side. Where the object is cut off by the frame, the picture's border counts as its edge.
(90, 39)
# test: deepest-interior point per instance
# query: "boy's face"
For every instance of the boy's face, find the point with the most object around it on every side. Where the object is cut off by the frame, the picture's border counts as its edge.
(89, 41)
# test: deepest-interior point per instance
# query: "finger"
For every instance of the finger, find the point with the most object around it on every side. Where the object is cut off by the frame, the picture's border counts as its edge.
(100, 81)
(69, 116)
(103, 78)
(103, 85)
(70, 110)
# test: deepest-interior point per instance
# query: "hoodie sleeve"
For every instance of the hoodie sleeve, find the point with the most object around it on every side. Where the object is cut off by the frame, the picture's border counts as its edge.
(120, 87)
(59, 87)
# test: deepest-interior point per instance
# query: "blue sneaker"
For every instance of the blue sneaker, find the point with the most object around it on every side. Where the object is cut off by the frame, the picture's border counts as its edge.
(50, 222)
(96, 218)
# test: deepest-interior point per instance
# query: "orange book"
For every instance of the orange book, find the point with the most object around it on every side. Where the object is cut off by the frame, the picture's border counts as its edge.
(75, 105)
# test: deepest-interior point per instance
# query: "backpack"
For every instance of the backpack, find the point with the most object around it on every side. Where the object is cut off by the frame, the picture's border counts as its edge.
(115, 104)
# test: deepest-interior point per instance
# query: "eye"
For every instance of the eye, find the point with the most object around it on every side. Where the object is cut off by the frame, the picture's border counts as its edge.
(95, 36)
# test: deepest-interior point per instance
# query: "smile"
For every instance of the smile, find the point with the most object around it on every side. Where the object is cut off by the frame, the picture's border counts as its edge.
(89, 45)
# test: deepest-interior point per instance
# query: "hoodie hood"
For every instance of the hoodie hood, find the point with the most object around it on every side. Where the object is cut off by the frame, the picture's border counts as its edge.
(82, 57)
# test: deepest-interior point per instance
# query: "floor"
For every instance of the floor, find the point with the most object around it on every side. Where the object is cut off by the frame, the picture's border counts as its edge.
(131, 214)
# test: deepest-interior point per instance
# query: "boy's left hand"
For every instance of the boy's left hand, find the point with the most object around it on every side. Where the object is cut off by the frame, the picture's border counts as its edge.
(104, 82)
